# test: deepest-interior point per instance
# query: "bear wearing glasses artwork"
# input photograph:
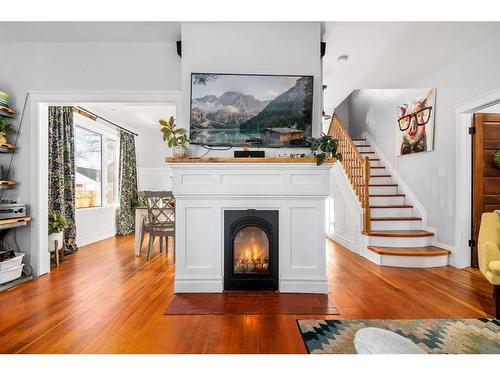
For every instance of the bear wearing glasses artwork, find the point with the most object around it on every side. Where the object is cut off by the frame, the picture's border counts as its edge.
(416, 124)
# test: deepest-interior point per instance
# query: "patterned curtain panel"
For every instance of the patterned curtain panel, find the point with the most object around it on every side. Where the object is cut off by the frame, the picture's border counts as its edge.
(62, 170)
(128, 184)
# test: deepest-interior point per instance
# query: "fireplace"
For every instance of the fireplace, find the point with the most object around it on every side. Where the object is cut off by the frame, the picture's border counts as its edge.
(251, 249)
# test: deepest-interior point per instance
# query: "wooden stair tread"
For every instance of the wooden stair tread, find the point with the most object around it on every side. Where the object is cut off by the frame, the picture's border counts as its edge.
(393, 206)
(427, 251)
(380, 175)
(378, 185)
(371, 167)
(375, 159)
(386, 195)
(362, 145)
(401, 233)
(358, 139)
(396, 218)
(366, 152)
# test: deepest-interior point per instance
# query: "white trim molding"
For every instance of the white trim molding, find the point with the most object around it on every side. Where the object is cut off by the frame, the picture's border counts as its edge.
(463, 177)
(38, 101)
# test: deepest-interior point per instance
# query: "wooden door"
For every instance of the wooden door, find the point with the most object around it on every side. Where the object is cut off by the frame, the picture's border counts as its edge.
(485, 176)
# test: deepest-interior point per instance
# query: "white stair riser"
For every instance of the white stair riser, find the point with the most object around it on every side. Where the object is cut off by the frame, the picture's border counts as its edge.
(401, 241)
(364, 148)
(383, 189)
(397, 225)
(380, 180)
(414, 262)
(359, 142)
(376, 163)
(386, 201)
(378, 171)
(391, 212)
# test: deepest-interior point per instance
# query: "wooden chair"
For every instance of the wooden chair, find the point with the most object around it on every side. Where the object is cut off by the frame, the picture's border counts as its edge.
(160, 220)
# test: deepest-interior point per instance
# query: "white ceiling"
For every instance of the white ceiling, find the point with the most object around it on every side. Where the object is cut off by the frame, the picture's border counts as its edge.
(392, 54)
(90, 31)
(135, 117)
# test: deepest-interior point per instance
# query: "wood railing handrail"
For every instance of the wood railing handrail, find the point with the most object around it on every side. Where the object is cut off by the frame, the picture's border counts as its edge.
(356, 168)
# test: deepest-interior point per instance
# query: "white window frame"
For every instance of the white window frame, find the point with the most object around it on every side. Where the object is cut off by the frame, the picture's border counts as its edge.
(106, 133)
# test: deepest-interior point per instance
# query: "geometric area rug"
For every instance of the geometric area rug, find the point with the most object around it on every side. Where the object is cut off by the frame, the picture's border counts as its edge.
(435, 336)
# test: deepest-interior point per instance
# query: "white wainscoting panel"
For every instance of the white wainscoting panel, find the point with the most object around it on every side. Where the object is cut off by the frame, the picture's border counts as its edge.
(203, 191)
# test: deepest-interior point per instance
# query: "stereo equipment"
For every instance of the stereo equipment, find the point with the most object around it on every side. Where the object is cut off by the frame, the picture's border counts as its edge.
(12, 210)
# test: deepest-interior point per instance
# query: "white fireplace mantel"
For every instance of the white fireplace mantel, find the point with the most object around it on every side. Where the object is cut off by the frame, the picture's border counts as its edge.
(204, 190)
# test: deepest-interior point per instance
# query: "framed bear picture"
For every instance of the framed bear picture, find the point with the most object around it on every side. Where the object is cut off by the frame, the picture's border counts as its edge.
(415, 124)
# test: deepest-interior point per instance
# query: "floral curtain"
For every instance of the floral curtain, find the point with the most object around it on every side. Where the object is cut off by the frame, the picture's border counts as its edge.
(127, 183)
(62, 170)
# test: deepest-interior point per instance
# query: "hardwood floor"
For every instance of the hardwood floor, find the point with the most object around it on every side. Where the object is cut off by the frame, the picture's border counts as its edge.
(103, 299)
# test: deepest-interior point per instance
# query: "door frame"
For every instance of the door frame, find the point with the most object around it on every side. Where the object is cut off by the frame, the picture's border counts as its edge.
(38, 102)
(463, 172)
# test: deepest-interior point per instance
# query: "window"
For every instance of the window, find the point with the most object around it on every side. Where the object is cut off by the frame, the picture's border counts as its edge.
(88, 176)
(96, 167)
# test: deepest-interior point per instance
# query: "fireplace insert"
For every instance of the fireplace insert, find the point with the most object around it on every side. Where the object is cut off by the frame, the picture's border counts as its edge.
(251, 249)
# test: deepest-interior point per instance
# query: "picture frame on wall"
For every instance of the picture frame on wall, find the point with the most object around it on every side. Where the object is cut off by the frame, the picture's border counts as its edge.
(415, 124)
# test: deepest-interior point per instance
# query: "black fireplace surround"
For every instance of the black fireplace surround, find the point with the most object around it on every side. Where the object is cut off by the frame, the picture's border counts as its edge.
(251, 249)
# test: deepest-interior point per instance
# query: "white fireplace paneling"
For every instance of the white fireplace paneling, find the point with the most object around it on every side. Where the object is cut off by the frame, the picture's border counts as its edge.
(297, 190)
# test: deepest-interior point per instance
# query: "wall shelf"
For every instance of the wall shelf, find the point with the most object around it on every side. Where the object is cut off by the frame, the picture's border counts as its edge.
(6, 111)
(14, 222)
(6, 184)
(7, 147)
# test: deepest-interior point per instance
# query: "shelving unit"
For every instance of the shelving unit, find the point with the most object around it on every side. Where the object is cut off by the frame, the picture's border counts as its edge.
(9, 224)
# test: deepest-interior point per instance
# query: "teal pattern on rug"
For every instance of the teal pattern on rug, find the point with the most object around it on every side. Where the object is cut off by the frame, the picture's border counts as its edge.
(435, 336)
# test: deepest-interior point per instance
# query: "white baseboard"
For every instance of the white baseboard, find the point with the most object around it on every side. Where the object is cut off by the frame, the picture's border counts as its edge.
(198, 285)
(304, 285)
(83, 241)
(344, 241)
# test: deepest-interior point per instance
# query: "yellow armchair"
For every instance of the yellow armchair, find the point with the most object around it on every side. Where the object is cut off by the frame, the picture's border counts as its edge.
(489, 252)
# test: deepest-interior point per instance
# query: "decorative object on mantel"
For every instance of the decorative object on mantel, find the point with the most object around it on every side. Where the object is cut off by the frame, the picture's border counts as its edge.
(496, 159)
(176, 138)
(57, 225)
(323, 147)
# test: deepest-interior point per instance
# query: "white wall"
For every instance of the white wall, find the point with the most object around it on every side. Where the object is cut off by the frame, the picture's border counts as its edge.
(268, 48)
(374, 111)
(77, 66)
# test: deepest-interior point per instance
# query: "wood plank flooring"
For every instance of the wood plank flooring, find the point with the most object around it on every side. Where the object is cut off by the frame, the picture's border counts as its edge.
(103, 299)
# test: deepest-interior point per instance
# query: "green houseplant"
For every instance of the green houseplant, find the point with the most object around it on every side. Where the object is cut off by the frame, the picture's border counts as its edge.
(323, 147)
(57, 224)
(496, 159)
(176, 138)
(5, 128)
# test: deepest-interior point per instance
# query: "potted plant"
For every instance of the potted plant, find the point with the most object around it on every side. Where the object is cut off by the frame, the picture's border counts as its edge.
(176, 138)
(323, 147)
(496, 159)
(5, 128)
(57, 224)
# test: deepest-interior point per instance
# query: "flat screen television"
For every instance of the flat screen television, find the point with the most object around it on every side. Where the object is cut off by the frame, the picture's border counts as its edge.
(251, 109)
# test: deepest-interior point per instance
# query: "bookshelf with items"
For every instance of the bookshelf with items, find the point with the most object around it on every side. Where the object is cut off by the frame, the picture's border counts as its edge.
(12, 213)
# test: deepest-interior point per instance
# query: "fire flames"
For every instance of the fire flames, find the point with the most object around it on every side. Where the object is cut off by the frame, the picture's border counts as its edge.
(251, 257)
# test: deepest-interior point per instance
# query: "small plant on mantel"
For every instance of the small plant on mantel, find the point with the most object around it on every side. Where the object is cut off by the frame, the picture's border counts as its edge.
(5, 128)
(324, 147)
(176, 138)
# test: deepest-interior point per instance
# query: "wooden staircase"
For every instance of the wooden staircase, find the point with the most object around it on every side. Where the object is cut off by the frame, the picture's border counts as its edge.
(393, 229)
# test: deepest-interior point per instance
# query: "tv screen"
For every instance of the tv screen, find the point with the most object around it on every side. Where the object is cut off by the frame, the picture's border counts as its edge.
(250, 109)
